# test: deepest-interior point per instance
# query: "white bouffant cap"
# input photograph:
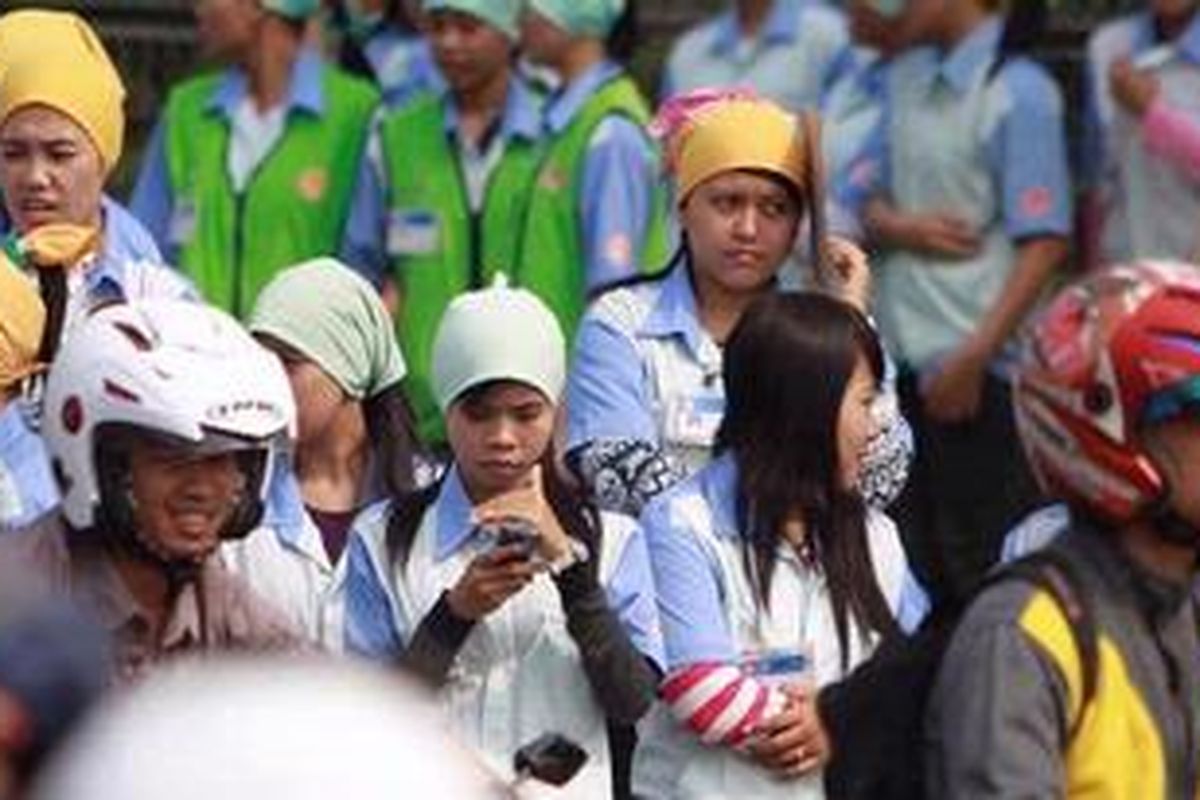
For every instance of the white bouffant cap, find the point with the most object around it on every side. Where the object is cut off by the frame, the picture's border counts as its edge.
(498, 334)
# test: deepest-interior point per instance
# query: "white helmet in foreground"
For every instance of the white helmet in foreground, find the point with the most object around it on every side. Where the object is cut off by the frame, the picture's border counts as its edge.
(182, 372)
(266, 729)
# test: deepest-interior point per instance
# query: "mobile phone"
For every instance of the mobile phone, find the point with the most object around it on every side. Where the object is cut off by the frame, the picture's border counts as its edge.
(509, 531)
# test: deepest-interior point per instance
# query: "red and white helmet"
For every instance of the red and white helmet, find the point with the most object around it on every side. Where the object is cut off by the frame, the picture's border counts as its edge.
(1112, 353)
(184, 371)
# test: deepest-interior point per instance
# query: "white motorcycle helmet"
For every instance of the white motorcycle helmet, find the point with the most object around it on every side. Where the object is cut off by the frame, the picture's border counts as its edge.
(184, 372)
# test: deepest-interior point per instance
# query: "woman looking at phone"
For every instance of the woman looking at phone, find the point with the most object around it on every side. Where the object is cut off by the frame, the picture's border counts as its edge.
(503, 586)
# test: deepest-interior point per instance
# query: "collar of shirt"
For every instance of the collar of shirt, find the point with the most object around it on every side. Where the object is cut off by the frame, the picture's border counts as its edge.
(675, 312)
(570, 100)
(521, 117)
(15, 436)
(718, 484)
(1145, 37)
(98, 584)
(306, 91)
(455, 523)
(961, 65)
(124, 240)
(781, 27)
(284, 513)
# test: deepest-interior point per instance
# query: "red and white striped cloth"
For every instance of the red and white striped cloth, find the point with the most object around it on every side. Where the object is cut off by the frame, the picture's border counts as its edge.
(719, 703)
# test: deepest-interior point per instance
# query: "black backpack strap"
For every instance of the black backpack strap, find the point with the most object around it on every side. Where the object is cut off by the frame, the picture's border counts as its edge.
(1053, 572)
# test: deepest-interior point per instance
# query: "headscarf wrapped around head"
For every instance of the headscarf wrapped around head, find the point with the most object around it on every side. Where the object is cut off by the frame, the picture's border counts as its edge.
(55, 59)
(333, 317)
(593, 18)
(711, 131)
(22, 321)
(503, 15)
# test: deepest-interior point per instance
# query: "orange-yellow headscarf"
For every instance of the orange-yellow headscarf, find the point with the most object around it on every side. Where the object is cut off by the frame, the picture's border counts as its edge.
(55, 59)
(22, 319)
(708, 132)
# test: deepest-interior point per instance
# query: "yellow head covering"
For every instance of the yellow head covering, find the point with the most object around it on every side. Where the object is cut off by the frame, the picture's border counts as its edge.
(708, 132)
(22, 318)
(54, 58)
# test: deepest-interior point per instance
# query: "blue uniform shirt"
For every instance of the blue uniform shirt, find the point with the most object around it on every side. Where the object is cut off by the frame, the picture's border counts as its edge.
(403, 65)
(620, 174)
(800, 52)
(376, 628)
(957, 138)
(153, 200)
(693, 601)
(27, 487)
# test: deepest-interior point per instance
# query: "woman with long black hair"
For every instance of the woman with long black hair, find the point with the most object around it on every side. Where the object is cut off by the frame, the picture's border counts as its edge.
(774, 577)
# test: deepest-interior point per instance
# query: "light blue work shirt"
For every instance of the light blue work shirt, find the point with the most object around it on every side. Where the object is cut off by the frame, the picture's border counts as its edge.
(153, 200)
(645, 369)
(685, 528)
(27, 486)
(988, 147)
(851, 113)
(378, 625)
(800, 52)
(403, 66)
(620, 176)
(365, 246)
(1151, 207)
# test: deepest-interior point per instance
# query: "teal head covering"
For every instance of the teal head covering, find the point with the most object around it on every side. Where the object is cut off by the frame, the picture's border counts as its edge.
(504, 15)
(333, 317)
(595, 18)
(292, 9)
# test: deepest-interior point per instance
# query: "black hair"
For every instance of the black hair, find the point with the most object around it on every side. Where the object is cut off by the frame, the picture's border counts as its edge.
(623, 41)
(392, 433)
(786, 369)
(1024, 26)
(572, 505)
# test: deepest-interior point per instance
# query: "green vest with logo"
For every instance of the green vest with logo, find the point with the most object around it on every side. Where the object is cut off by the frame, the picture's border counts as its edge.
(295, 205)
(438, 248)
(553, 265)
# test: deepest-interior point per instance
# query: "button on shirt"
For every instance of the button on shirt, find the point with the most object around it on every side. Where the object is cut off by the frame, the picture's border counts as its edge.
(800, 52)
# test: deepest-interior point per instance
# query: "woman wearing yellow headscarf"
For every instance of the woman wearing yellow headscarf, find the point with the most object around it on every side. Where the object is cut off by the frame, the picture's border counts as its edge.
(645, 394)
(26, 487)
(61, 128)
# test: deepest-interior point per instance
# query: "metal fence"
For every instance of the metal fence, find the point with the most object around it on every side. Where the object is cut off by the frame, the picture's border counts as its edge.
(154, 43)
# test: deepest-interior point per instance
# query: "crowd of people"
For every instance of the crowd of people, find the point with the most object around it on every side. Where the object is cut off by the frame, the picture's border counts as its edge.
(823, 426)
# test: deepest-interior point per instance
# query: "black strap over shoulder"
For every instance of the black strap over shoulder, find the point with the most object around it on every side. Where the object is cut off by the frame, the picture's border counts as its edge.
(1053, 572)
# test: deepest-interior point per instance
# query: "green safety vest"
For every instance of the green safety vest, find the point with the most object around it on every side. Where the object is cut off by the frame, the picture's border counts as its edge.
(297, 201)
(552, 263)
(438, 248)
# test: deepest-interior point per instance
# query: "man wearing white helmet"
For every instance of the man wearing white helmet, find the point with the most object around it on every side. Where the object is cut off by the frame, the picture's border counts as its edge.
(162, 420)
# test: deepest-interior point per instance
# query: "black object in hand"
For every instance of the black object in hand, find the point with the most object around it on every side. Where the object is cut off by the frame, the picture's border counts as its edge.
(551, 758)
